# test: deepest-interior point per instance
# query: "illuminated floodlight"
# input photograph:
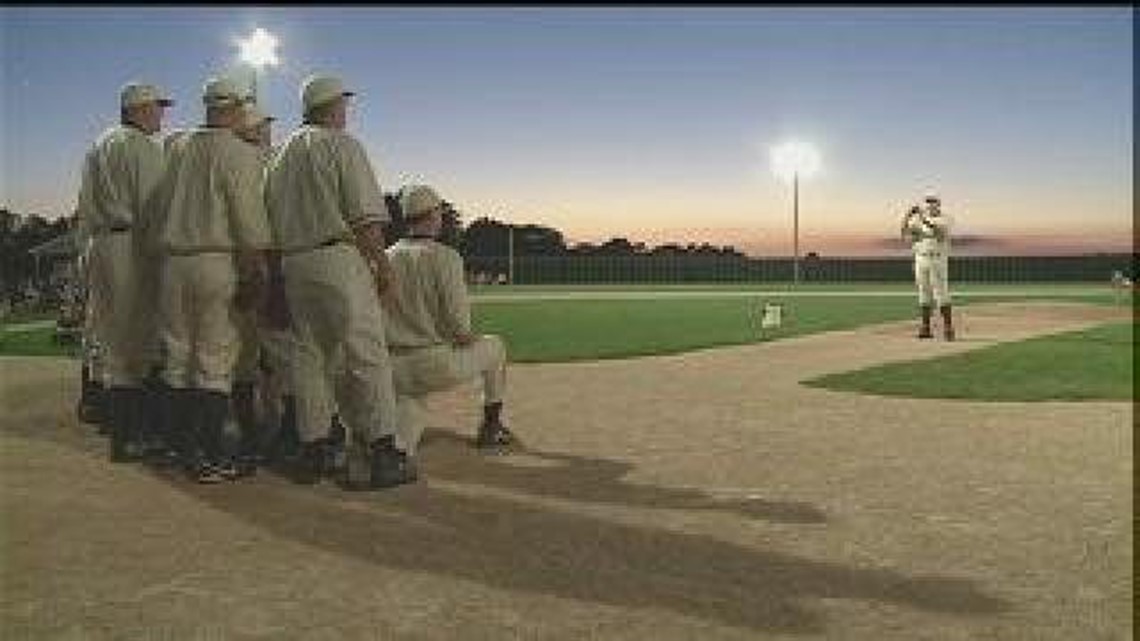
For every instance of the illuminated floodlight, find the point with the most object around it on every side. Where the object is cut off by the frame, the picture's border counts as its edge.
(795, 159)
(259, 49)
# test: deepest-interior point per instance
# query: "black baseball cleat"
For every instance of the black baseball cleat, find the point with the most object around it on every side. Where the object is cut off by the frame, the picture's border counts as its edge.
(246, 465)
(495, 437)
(207, 473)
(925, 333)
(390, 466)
(125, 450)
(230, 469)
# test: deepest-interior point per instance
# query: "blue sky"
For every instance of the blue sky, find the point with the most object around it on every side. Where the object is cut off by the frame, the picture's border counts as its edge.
(648, 123)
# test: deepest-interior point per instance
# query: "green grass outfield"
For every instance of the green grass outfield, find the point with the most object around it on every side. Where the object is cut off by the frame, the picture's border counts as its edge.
(555, 324)
(1093, 364)
(557, 330)
(892, 288)
(38, 339)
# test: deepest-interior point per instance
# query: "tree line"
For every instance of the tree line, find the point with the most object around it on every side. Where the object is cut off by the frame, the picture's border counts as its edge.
(486, 237)
(483, 238)
(19, 233)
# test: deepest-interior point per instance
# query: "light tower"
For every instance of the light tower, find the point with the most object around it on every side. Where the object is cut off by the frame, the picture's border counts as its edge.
(790, 161)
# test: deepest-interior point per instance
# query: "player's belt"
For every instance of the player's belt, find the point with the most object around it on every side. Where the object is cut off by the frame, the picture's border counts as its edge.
(336, 240)
(401, 350)
(116, 228)
(330, 242)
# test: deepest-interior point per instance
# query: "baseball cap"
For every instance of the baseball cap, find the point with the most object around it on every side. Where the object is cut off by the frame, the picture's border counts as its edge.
(221, 91)
(138, 93)
(253, 116)
(319, 89)
(931, 198)
(418, 200)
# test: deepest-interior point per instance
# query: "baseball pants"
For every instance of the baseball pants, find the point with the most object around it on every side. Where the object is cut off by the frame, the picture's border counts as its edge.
(113, 294)
(275, 381)
(338, 333)
(931, 274)
(249, 352)
(419, 372)
(196, 321)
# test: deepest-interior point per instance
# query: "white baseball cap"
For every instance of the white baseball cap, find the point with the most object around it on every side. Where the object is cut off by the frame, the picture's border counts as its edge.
(137, 93)
(253, 116)
(221, 91)
(319, 89)
(418, 200)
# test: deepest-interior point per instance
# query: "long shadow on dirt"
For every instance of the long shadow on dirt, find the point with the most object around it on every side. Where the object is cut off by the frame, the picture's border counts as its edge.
(452, 457)
(518, 544)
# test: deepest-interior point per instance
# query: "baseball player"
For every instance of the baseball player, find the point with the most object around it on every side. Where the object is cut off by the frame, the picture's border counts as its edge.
(210, 228)
(428, 325)
(119, 176)
(928, 231)
(263, 398)
(326, 212)
(254, 127)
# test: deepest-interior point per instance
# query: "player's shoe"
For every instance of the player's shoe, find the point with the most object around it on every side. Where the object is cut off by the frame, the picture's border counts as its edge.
(207, 473)
(494, 436)
(390, 466)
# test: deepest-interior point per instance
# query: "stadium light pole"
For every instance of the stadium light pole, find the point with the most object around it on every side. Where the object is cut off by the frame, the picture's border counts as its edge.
(790, 161)
(258, 50)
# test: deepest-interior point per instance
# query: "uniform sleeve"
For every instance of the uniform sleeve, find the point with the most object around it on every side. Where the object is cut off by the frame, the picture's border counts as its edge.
(248, 218)
(455, 306)
(85, 205)
(360, 198)
(941, 226)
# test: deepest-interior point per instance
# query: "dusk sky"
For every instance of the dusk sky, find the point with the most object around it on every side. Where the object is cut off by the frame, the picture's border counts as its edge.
(653, 124)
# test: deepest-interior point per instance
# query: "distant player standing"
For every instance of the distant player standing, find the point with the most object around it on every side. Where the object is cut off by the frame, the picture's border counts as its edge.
(928, 231)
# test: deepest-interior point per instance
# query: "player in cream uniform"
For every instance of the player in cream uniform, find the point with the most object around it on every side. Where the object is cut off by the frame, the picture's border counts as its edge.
(326, 211)
(428, 326)
(928, 231)
(119, 176)
(251, 382)
(211, 230)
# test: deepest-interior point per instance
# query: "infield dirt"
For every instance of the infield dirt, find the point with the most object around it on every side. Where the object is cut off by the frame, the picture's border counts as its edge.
(698, 496)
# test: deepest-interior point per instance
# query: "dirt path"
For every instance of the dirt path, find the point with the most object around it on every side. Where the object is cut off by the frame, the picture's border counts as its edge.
(702, 496)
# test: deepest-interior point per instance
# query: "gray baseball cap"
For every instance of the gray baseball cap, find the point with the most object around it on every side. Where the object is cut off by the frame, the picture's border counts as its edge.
(319, 89)
(139, 93)
(418, 200)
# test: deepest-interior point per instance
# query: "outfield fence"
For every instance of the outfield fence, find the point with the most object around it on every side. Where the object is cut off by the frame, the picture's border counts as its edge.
(529, 270)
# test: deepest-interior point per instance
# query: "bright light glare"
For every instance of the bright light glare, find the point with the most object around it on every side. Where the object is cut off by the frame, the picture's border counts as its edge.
(792, 158)
(259, 49)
